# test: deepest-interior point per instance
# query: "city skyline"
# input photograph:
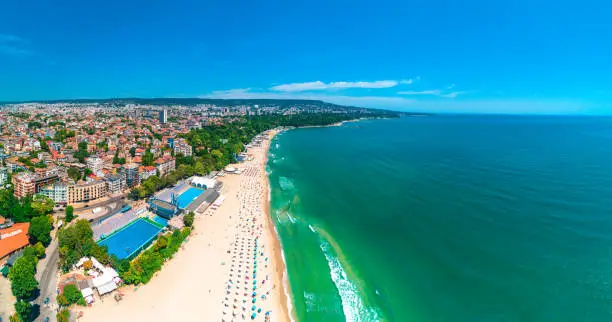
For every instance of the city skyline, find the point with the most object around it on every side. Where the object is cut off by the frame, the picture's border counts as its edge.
(520, 57)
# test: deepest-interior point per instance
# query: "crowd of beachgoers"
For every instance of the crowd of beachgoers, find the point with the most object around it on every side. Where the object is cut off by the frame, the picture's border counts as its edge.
(249, 282)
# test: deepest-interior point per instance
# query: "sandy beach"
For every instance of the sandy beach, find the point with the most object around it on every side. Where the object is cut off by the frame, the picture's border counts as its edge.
(229, 269)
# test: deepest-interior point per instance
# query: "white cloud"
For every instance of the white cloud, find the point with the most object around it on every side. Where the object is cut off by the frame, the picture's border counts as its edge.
(406, 81)
(319, 85)
(13, 45)
(435, 92)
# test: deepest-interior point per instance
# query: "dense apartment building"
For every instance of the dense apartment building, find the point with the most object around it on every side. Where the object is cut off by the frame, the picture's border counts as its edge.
(181, 146)
(95, 164)
(165, 165)
(57, 192)
(146, 171)
(23, 184)
(28, 184)
(83, 192)
(115, 183)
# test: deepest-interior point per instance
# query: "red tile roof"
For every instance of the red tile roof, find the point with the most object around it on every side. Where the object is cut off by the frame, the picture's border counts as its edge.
(13, 238)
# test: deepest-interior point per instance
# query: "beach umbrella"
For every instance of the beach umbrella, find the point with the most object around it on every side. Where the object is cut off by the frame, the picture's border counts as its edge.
(259, 310)
(253, 316)
(254, 294)
(254, 300)
(253, 308)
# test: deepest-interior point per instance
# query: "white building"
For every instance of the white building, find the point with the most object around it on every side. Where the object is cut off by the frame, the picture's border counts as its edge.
(95, 164)
(3, 175)
(57, 192)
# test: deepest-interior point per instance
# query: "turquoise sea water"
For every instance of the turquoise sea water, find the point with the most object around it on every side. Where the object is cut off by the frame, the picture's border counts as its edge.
(447, 218)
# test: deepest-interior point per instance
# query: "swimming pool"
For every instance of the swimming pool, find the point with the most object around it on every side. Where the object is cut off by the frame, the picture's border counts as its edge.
(188, 196)
(131, 239)
(160, 220)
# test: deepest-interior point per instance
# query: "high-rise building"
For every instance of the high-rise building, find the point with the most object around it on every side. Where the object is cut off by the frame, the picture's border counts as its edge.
(163, 116)
(132, 178)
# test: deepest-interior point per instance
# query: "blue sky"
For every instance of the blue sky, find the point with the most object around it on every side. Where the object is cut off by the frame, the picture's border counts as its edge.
(438, 56)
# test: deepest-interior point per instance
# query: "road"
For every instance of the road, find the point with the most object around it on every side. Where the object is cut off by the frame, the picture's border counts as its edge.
(110, 206)
(46, 274)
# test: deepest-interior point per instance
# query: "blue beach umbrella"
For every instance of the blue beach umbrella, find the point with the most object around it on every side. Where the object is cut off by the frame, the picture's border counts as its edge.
(253, 316)
(253, 301)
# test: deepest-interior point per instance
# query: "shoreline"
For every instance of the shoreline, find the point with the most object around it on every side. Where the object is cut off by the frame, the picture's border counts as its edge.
(280, 272)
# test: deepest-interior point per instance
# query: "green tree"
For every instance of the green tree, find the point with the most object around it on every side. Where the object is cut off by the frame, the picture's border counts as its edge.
(188, 219)
(133, 151)
(40, 250)
(74, 173)
(63, 315)
(199, 168)
(69, 213)
(43, 144)
(72, 294)
(147, 158)
(40, 229)
(81, 153)
(21, 275)
(42, 205)
(117, 159)
(134, 195)
(87, 172)
(23, 309)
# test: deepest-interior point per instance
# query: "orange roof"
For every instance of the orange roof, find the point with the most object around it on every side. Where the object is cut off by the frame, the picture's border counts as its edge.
(137, 159)
(13, 238)
(2, 220)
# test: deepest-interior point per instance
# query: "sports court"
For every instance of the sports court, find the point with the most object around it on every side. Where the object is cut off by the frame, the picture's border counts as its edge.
(131, 239)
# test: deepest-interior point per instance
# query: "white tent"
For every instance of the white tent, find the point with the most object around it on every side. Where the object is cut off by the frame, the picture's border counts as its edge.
(203, 182)
(87, 291)
(97, 264)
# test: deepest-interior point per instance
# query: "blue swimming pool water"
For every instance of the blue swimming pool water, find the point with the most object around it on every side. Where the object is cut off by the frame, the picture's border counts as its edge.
(188, 196)
(129, 240)
(160, 220)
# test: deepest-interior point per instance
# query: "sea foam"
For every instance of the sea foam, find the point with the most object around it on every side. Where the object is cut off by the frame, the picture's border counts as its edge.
(352, 304)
